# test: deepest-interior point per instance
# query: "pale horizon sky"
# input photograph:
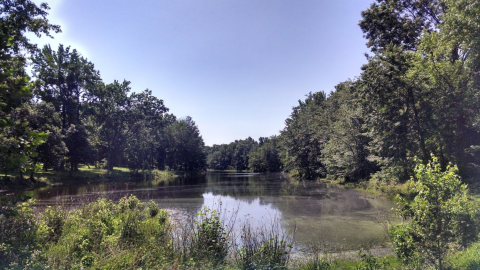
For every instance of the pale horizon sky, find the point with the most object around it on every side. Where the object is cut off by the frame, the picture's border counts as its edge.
(237, 67)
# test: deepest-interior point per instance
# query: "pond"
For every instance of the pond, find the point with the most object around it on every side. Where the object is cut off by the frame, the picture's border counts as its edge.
(327, 214)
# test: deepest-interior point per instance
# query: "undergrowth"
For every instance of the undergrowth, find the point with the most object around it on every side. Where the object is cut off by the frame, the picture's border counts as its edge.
(130, 234)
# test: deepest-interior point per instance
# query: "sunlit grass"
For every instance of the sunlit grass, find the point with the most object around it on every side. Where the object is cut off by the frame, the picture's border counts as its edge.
(84, 173)
(466, 259)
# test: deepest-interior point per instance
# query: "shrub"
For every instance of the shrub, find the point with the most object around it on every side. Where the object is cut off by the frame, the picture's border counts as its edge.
(440, 215)
(210, 238)
(130, 202)
(18, 227)
(264, 247)
(131, 227)
(468, 259)
(52, 220)
(153, 209)
(369, 262)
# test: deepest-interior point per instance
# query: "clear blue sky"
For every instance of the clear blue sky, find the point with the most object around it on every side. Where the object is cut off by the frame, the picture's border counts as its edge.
(237, 67)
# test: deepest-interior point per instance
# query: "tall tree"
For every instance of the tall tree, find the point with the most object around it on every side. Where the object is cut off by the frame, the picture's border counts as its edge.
(66, 79)
(346, 154)
(266, 157)
(399, 110)
(112, 108)
(303, 137)
(450, 59)
(400, 23)
(18, 17)
(185, 150)
(18, 141)
(148, 123)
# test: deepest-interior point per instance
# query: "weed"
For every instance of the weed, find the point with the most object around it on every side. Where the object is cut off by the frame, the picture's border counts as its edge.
(266, 247)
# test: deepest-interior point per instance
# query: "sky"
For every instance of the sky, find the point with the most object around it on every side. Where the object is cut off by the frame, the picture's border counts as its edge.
(237, 67)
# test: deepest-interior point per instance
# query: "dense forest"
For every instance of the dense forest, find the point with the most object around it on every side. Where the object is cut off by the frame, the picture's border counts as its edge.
(248, 154)
(65, 115)
(417, 97)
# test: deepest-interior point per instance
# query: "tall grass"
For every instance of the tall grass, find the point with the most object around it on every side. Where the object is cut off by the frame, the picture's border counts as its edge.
(266, 247)
(132, 234)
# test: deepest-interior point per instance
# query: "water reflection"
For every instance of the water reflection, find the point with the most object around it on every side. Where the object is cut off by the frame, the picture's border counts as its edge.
(331, 214)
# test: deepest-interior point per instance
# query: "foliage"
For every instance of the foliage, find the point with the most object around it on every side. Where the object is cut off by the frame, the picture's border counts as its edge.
(128, 234)
(467, 259)
(440, 215)
(399, 22)
(346, 152)
(19, 142)
(266, 157)
(18, 238)
(210, 239)
(17, 18)
(184, 150)
(232, 156)
(369, 262)
(303, 137)
(267, 247)
(115, 236)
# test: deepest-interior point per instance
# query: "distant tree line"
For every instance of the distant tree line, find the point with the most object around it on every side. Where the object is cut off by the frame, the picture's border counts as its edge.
(418, 96)
(259, 156)
(66, 115)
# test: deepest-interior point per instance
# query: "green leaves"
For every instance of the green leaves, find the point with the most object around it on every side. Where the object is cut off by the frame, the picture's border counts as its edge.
(440, 214)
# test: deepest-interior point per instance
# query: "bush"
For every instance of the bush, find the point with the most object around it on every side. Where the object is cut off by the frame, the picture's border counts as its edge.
(441, 216)
(18, 232)
(153, 209)
(210, 237)
(369, 262)
(106, 235)
(468, 259)
(264, 248)
(52, 221)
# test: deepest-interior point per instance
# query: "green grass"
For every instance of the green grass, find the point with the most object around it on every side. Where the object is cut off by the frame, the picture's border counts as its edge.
(84, 173)
(384, 263)
(389, 190)
(231, 171)
(468, 259)
(135, 235)
(129, 235)
(476, 197)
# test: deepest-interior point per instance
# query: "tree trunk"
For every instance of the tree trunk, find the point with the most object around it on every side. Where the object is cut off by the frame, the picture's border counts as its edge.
(110, 161)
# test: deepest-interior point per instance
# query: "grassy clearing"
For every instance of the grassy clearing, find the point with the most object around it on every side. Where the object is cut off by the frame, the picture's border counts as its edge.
(231, 171)
(374, 188)
(84, 173)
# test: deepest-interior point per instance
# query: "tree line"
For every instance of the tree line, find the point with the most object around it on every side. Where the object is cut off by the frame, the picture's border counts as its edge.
(258, 156)
(66, 115)
(418, 96)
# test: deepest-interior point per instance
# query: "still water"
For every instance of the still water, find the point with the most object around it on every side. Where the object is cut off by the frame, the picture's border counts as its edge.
(329, 214)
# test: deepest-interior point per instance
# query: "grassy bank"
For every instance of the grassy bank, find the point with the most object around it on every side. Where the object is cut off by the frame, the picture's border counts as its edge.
(130, 234)
(372, 188)
(84, 174)
(133, 235)
(231, 171)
